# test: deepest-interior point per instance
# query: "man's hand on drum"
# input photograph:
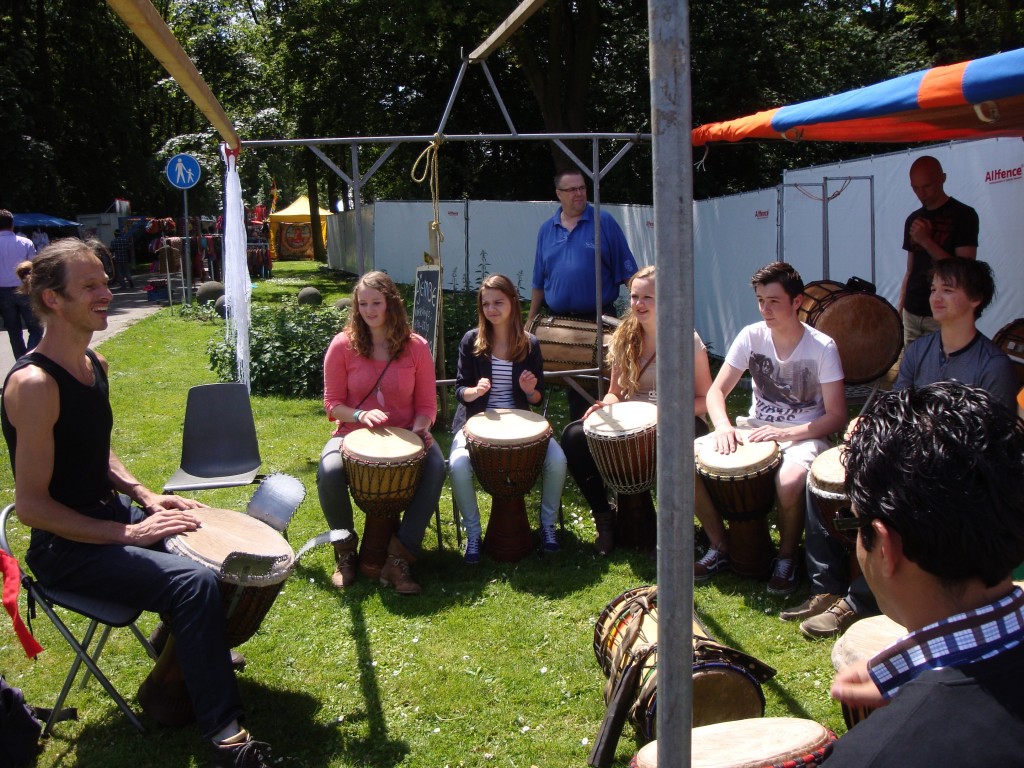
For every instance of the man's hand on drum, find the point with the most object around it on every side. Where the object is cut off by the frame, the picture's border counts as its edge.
(421, 426)
(374, 418)
(725, 436)
(160, 524)
(854, 687)
(768, 432)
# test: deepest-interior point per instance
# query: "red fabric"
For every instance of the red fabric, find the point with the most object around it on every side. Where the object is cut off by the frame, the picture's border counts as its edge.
(12, 580)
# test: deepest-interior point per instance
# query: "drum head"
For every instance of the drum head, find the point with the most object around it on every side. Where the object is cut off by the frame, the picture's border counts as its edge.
(241, 549)
(828, 475)
(507, 426)
(756, 742)
(621, 419)
(385, 445)
(864, 639)
(748, 459)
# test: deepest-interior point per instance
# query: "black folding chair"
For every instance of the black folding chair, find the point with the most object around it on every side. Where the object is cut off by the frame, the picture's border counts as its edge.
(103, 616)
(218, 447)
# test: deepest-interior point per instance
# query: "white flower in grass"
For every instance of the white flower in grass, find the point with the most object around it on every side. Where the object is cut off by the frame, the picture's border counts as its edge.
(524, 729)
(543, 670)
(584, 741)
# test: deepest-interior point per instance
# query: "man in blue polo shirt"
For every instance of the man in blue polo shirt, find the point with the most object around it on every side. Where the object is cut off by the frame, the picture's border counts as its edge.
(563, 269)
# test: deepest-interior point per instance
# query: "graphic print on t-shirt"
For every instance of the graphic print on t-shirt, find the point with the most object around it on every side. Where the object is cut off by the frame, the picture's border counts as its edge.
(785, 392)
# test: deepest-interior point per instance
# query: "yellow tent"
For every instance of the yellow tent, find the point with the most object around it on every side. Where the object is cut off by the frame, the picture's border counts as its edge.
(291, 236)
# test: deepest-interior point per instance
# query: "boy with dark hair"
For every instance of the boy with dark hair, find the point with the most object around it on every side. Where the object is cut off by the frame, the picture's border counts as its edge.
(798, 400)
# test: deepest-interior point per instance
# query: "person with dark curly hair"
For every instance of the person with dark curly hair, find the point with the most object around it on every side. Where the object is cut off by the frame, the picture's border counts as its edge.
(936, 480)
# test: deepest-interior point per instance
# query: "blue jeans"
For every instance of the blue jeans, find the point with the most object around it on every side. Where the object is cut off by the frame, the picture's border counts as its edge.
(184, 592)
(828, 563)
(16, 311)
(461, 471)
(332, 488)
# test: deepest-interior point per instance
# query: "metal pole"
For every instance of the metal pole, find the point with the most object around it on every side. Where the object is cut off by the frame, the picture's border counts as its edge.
(187, 266)
(595, 164)
(357, 207)
(825, 257)
(671, 123)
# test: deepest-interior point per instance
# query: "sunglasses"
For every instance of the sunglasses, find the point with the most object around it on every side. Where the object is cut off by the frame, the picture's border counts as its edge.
(846, 520)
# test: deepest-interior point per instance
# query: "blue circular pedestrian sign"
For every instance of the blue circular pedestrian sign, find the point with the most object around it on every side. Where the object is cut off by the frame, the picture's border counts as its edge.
(183, 171)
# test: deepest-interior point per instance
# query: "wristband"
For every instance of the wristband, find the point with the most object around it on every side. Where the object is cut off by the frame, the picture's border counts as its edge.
(357, 413)
(723, 423)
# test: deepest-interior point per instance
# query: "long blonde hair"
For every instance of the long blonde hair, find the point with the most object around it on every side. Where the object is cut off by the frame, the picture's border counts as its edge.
(627, 344)
(397, 328)
(518, 341)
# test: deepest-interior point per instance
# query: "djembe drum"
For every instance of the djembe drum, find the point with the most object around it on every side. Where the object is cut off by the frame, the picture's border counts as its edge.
(827, 483)
(1010, 339)
(741, 485)
(866, 328)
(383, 466)
(251, 561)
(726, 682)
(507, 447)
(764, 742)
(863, 641)
(623, 439)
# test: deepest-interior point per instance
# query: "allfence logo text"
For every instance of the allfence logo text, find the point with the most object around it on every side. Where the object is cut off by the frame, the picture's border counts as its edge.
(759, 214)
(997, 175)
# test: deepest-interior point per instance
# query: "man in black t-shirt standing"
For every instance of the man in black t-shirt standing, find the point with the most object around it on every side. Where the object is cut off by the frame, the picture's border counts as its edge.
(940, 228)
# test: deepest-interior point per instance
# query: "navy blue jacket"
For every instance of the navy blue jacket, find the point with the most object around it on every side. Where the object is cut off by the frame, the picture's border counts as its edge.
(473, 367)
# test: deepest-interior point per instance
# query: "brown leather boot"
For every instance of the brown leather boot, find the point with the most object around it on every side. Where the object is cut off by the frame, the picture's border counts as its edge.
(346, 560)
(396, 569)
(605, 522)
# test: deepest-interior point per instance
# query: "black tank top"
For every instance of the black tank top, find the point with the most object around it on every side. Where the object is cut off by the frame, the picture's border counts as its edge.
(81, 436)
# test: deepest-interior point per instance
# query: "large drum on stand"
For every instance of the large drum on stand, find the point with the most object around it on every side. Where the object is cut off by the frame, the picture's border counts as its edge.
(251, 561)
(623, 439)
(1010, 339)
(570, 344)
(741, 485)
(866, 328)
(383, 466)
(764, 742)
(507, 447)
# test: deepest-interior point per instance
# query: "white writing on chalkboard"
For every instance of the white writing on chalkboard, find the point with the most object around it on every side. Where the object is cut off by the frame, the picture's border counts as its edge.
(424, 306)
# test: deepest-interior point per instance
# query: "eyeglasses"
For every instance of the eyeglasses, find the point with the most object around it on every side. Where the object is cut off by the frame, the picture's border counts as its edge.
(572, 190)
(846, 520)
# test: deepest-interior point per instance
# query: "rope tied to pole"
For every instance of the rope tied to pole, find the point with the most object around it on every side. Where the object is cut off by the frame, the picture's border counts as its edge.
(430, 168)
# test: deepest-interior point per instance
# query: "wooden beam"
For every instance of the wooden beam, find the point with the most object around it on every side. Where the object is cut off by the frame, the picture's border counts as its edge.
(142, 18)
(515, 20)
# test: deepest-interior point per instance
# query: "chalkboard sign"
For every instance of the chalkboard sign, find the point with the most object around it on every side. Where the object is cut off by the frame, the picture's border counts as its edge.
(424, 304)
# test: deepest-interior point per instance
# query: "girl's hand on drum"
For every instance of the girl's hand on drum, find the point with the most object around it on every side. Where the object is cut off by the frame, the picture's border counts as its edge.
(424, 433)
(528, 383)
(598, 405)
(374, 418)
(482, 387)
(853, 686)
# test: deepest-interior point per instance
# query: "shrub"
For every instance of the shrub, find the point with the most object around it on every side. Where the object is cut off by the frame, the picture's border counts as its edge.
(287, 343)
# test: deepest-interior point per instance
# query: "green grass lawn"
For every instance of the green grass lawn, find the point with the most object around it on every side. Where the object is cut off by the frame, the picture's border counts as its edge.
(492, 665)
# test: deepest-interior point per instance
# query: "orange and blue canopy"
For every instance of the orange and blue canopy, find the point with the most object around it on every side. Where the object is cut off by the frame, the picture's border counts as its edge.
(972, 99)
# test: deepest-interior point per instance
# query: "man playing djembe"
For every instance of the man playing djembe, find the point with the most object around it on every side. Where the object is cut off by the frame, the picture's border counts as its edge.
(75, 494)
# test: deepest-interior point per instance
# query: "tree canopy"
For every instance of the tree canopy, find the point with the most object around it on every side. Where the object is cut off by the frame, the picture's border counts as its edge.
(89, 115)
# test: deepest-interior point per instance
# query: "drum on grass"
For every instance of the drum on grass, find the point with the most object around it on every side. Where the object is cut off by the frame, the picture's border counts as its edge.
(383, 466)
(570, 344)
(764, 742)
(862, 641)
(623, 439)
(507, 447)
(725, 681)
(827, 482)
(1010, 339)
(866, 328)
(742, 488)
(251, 561)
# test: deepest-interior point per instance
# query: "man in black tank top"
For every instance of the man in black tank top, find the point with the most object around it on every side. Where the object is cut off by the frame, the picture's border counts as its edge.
(76, 495)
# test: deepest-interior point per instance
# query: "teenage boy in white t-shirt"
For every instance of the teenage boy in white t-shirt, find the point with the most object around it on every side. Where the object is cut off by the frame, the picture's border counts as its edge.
(798, 400)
